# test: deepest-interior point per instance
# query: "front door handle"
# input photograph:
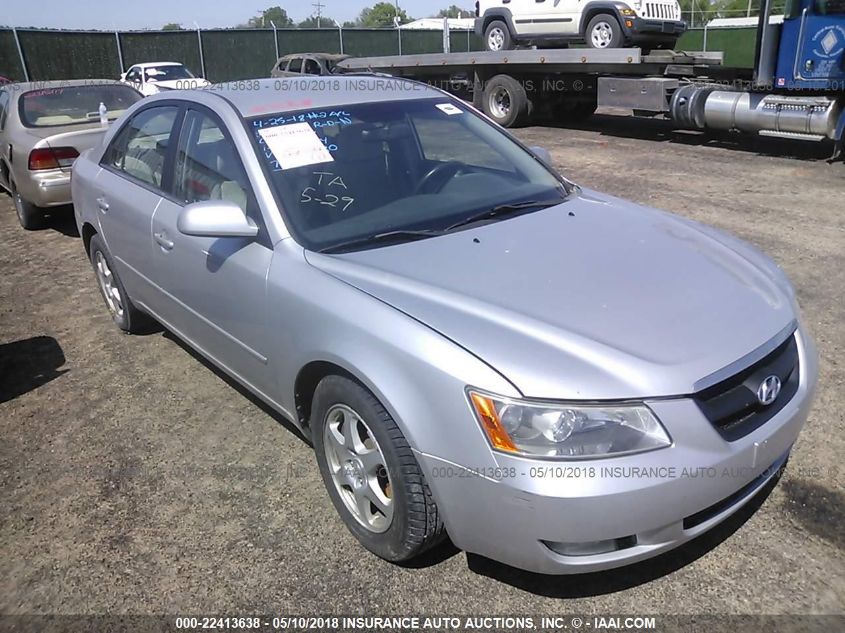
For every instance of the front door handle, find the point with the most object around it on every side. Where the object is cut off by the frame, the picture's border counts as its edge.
(161, 240)
(104, 206)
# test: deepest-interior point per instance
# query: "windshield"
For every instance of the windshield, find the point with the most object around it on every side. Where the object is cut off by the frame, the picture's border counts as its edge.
(167, 73)
(345, 173)
(73, 105)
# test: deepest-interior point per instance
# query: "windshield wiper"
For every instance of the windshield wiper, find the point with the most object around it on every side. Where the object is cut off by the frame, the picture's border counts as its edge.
(379, 238)
(503, 210)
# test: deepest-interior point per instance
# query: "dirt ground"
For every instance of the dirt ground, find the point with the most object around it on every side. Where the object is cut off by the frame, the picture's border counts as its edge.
(134, 478)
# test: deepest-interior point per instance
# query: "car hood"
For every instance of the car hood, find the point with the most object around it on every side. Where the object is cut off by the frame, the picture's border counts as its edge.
(596, 298)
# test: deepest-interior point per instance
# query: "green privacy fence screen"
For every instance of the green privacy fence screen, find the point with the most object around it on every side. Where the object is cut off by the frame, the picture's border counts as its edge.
(737, 44)
(226, 55)
(164, 46)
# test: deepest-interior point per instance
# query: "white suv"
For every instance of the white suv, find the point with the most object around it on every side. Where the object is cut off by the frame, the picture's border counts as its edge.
(505, 24)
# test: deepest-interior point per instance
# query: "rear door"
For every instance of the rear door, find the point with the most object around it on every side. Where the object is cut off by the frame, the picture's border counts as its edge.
(129, 188)
(215, 288)
(543, 17)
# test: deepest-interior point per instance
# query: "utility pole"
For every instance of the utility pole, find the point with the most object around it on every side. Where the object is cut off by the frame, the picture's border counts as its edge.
(319, 6)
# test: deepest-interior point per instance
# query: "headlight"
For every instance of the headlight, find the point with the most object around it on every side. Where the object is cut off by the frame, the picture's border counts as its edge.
(567, 431)
(624, 9)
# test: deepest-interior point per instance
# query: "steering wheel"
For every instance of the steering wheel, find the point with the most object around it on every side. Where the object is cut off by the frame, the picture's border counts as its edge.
(439, 175)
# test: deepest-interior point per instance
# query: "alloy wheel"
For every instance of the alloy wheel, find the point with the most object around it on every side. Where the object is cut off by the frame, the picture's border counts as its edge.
(601, 35)
(358, 469)
(108, 285)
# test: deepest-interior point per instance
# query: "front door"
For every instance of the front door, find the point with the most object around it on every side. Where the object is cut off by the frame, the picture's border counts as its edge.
(812, 48)
(214, 287)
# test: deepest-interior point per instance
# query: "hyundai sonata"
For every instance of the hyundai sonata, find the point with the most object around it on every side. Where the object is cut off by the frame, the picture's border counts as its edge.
(555, 378)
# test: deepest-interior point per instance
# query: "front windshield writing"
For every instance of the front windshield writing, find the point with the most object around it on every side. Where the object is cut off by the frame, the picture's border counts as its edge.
(344, 173)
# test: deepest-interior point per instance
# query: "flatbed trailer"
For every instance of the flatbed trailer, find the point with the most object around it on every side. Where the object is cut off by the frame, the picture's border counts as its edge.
(693, 89)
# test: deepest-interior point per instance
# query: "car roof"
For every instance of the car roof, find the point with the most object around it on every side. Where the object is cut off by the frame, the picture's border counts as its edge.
(154, 64)
(335, 57)
(26, 86)
(291, 94)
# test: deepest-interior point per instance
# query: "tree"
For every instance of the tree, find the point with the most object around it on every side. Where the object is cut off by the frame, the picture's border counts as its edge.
(311, 23)
(381, 15)
(172, 26)
(454, 11)
(268, 17)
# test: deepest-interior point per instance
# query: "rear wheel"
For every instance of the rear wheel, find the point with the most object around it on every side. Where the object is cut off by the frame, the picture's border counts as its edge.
(497, 37)
(124, 314)
(371, 475)
(30, 217)
(506, 102)
(603, 31)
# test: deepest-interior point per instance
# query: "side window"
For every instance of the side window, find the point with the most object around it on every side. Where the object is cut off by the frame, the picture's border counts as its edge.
(830, 7)
(140, 148)
(312, 67)
(4, 108)
(438, 140)
(295, 65)
(208, 166)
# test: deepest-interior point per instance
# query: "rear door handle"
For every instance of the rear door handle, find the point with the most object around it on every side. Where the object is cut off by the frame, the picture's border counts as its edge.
(161, 240)
(104, 206)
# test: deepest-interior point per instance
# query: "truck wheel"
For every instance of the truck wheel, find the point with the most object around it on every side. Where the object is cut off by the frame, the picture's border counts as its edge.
(603, 31)
(497, 37)
(124, 314)
(370, 472)
(30, 217)
(506, 102)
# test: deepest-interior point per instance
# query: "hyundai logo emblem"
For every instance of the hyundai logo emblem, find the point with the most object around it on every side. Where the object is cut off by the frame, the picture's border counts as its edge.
(768, 390)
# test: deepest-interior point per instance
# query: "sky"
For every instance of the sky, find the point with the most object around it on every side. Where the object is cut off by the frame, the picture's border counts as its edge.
(93, 14)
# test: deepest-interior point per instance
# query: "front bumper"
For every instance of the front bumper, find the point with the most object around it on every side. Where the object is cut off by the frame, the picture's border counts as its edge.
(648, 503)
(643, 30)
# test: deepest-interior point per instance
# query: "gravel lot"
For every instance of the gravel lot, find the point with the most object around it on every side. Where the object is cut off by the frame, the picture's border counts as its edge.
(134, 478)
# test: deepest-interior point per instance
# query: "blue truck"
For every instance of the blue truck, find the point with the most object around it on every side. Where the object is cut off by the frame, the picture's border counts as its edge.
(795, 90)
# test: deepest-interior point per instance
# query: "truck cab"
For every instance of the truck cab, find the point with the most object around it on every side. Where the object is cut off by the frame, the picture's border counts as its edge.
(508, 24)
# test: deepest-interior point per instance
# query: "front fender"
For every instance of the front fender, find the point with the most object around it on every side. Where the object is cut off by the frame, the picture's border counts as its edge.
(417, 374)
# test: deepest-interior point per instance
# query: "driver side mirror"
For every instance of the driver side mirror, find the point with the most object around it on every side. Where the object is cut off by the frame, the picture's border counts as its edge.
(542, 153)
(215, 218)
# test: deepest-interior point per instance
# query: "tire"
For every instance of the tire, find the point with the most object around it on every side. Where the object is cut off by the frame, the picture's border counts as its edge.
(497, 37)
(604, 31)
(124, 314)
(31, 218)
(381, 467)
(505, 101)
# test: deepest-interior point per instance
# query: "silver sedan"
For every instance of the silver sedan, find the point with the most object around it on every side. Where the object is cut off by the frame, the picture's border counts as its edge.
(558, 379)
(44, 126)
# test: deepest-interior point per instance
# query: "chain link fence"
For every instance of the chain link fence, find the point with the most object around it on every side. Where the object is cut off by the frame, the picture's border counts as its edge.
(217, 54)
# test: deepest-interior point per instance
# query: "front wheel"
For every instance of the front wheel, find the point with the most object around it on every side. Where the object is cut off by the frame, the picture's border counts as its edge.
(497, 37)
(604, 31)
(371, 475)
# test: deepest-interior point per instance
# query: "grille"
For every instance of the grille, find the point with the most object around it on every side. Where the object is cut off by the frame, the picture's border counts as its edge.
(659, 11)
(732, 405)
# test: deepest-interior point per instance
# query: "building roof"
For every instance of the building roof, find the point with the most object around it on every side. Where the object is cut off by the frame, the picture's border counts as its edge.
(740, 23)
(436, 24)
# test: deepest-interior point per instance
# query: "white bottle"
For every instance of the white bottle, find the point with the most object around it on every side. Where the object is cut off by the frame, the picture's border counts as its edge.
(104, 114)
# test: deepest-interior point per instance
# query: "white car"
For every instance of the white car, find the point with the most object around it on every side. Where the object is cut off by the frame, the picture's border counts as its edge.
(153, 77)
(506, 24)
